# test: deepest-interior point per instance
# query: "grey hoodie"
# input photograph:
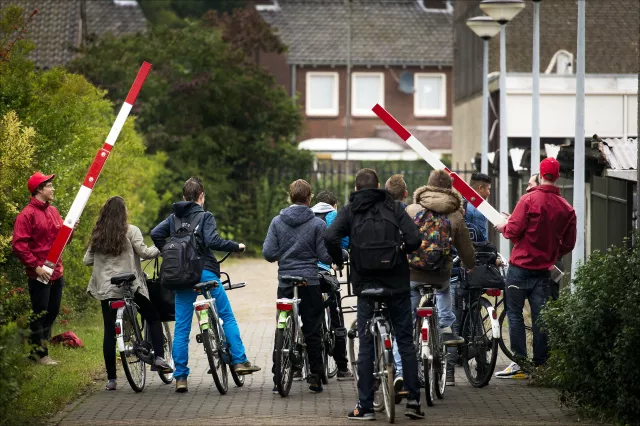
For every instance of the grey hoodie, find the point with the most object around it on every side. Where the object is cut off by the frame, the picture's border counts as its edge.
(295, 241)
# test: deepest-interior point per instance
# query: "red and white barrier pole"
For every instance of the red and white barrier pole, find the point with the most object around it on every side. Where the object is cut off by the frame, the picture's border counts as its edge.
(94, 172)
(458, 183)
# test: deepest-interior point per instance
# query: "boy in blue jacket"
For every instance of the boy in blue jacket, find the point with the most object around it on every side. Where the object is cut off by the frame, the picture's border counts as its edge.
(326, 209)
(295, 241)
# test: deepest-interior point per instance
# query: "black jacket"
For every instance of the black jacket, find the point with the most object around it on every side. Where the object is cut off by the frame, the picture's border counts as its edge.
(207, 233)
(396, 279)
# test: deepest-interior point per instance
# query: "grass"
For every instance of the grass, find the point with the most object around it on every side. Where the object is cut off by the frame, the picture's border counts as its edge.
(48, 389)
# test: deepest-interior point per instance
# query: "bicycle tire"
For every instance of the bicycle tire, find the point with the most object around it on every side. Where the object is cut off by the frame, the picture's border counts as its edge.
(168, 356)
(476, 346)
(386, 379)
(439, 363)
(330, 366)
(352, 349)
(429, 385)
(283, 363)
(212, 347)
(238, 379)
(134, 368)
(528, 329)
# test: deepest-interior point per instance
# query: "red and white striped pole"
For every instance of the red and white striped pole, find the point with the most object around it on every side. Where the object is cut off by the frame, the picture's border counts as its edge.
(94, 172)
(458, 183)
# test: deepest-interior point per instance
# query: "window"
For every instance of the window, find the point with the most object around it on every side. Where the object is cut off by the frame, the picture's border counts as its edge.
(430, 96)
(367, 90)
(322, 94)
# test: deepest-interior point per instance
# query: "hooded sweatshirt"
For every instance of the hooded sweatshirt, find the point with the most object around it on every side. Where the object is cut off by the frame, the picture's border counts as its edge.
(449, 202)
(295, 241)
(207, 234)
(396, 279)
(329, 215)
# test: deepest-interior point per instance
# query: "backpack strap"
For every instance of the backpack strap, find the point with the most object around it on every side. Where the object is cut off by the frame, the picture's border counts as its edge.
(177, 222)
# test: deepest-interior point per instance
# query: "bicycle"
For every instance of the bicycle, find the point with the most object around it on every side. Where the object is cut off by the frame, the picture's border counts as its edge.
(212, 335)
(329, 335)
(481, 333)
(431, 352)
(290, 349)
(135, 347)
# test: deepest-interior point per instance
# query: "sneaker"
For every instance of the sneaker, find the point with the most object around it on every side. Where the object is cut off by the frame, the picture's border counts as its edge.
(360, 413)
(344, 375)
(398, 384)
(315, 384)
(513, 371)
(275, 390)
(47, 360)
(181, 386)
(246, 368)
(412, 410)
(449, 338)
(162, 366)
(297, 375)
(451, 377)
(111, 385)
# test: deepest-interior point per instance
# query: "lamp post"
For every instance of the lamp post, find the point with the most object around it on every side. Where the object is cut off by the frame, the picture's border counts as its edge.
(535, 95)
(503, 11)
(485, 28)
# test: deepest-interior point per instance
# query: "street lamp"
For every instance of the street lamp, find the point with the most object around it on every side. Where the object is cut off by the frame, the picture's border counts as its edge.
(485, 28)
(535, 91)
(503, 11)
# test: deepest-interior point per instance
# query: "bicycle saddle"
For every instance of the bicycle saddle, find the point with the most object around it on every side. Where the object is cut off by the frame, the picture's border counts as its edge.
(207, 285)
(376, 292)
(295, 281)
(124, 277)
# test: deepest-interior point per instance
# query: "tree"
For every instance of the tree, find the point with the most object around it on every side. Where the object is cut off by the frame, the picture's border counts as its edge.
(172, 12)
(214, 114)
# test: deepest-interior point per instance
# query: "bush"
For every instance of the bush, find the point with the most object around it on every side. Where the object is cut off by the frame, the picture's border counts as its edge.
(12, 362)
(594, 335)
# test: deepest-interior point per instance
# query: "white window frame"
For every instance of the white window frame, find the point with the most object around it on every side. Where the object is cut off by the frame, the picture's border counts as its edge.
(322, 112)
(365, 112)
(439, 112)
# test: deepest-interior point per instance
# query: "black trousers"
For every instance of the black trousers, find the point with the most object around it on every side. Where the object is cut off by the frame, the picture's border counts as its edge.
(148, 312)
(45, 303)
(337, 323)
(311, 311)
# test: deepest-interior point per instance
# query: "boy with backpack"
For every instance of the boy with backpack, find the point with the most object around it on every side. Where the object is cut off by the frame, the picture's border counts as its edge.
(326, 209)
(294, 240)
(438, 214)
(381, 235)
(186, 239)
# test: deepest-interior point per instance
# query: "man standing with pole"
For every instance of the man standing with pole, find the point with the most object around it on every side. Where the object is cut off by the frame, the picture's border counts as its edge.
(33, 233)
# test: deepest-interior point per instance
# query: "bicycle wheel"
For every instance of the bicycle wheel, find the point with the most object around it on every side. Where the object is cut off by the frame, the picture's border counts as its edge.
(385, 374)
(353, 347)
(283, 358)
(439, 363)
(238, 379)
(480, 350)
(212, 347)
(505, 340)
(168, 347)
(330, 366)
(134, 368)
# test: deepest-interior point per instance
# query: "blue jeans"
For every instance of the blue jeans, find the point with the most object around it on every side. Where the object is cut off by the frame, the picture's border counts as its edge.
(525, 284)
(184, 316)
(446, 318)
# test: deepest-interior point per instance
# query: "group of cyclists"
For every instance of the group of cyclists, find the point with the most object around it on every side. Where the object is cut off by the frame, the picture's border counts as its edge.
(391, 246)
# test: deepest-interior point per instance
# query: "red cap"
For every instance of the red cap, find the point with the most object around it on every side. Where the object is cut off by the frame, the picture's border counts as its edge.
(550, 169)
(36, 179)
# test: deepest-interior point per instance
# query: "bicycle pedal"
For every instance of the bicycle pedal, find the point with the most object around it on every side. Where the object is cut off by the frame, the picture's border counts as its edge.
(199, 338)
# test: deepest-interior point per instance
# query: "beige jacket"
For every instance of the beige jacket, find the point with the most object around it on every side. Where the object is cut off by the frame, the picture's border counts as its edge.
(106, 266)
(449, 202)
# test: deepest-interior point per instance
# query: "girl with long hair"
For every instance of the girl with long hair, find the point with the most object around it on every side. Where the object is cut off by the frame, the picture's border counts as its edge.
(117, 247)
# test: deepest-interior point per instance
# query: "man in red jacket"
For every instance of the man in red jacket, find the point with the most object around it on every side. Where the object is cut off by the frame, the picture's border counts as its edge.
(34, 232)
(543, 228)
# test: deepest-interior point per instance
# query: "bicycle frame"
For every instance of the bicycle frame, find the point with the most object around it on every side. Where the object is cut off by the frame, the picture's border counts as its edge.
(379, 322)
(131, 306)
(291, 309)
(425, 312)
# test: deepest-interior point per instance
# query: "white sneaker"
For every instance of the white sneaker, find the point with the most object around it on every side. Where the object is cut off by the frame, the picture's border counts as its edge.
(47, 360)
(513, 371)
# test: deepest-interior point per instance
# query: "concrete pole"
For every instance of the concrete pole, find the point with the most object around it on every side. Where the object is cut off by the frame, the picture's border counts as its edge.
(484, 168)
(535, 95)
(579, 151)
(505, 248)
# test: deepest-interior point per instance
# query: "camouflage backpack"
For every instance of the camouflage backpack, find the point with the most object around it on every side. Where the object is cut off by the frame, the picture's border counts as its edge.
(435, 232)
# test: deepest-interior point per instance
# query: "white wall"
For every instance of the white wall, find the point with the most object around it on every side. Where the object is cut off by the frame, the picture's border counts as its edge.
(467, 131)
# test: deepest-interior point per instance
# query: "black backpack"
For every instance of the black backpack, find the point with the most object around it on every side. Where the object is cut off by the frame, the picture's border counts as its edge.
(376, 240)
(182, 262)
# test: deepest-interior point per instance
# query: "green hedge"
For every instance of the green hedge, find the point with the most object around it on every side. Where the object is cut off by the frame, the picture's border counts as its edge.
(594, 335)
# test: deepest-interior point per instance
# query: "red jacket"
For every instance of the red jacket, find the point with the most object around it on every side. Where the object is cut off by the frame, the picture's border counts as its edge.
(34, 232)
(542, 227)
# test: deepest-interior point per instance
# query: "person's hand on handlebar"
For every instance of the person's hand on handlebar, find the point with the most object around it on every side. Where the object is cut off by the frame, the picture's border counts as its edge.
(241, 247)
(337, 267)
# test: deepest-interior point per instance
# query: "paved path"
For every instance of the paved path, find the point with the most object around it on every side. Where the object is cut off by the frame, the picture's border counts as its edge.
(500, 403)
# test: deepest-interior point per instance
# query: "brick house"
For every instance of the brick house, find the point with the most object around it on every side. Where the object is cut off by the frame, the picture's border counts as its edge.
(394, 43)
(58, 27)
